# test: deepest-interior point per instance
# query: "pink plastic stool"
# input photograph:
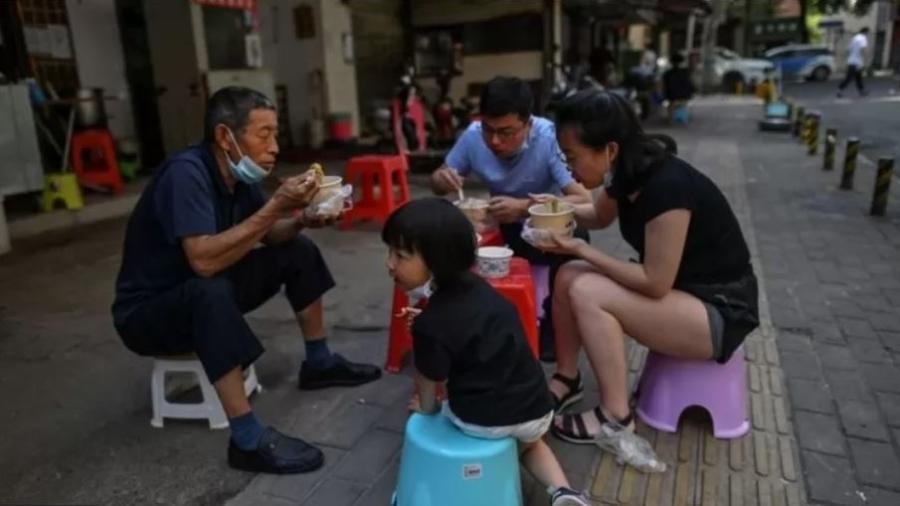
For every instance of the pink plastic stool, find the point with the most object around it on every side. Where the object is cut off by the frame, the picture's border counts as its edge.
(670, 385)
(541, 276)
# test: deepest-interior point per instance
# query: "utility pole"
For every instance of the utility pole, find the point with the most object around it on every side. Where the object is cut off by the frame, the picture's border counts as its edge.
(710, 30)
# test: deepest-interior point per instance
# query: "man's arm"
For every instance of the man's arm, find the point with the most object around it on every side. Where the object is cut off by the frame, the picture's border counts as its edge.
(209, 255)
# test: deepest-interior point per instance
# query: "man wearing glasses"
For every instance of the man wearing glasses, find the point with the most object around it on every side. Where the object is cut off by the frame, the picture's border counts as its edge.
(516, 155)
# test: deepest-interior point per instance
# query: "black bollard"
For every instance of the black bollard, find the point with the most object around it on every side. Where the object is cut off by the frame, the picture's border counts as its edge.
(798, 122)
(812, 134)
(882, 186)
(850, 154)
(830, 141)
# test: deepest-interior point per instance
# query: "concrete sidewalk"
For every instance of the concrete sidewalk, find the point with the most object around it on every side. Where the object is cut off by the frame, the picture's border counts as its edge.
(822, 371)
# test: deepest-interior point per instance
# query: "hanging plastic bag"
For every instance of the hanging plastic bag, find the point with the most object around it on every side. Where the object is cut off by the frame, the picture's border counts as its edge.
(538, 237)
(332, 205)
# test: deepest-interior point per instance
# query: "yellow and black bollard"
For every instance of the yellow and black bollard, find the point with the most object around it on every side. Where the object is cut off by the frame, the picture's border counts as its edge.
(798, 122)
(882, 186)
(830, 141)
(812, 133)
(850, 154)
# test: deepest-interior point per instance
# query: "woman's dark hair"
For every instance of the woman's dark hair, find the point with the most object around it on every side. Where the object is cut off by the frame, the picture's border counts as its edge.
(504, 95)
(601, 117)
(437, 230)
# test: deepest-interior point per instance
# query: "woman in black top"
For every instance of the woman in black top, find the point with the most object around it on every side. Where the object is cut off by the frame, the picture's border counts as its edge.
(692, 294)
(470, 337)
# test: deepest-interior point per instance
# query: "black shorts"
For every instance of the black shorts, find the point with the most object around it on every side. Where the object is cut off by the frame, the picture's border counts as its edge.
(733, 311)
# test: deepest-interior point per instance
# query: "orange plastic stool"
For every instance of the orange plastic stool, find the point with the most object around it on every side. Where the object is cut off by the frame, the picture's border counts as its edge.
(518, 287)
(365, 172)
(94, 160)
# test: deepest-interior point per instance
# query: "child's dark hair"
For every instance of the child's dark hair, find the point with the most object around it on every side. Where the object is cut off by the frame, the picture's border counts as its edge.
(437, 230)
(601, 117)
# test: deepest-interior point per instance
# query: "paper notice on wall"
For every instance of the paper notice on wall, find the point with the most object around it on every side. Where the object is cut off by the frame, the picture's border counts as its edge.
(253, 45)
(59, 41)
(36, 40)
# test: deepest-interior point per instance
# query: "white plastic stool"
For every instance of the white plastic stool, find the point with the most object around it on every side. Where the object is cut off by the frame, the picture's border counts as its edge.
(210, 408)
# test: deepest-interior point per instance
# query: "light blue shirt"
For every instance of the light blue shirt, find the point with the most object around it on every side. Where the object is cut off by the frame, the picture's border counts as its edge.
(538, 168)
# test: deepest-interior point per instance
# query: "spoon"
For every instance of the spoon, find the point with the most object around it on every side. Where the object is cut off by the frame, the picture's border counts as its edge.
(461, 195)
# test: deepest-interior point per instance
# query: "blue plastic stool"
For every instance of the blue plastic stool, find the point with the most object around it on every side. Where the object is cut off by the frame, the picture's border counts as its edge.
(442, 466)
(681, 115)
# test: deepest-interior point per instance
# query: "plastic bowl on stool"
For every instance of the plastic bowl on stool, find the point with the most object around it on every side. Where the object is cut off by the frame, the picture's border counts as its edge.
(493, 261)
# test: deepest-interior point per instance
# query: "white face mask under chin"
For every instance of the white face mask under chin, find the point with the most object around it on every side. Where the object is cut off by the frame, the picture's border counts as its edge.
(420, 293)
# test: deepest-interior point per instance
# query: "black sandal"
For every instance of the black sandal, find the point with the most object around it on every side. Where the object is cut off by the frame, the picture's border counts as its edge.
(575, 431)
(575, 394)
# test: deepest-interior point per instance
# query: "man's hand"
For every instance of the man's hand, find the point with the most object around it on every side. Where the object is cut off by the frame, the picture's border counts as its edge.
(309, 221)
(296, 192)
(446, 180)
(508, 209)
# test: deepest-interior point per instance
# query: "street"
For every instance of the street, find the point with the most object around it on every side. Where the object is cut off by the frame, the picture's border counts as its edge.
(873, 119)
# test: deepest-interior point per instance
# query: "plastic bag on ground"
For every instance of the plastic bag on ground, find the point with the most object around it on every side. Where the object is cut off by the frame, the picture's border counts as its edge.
(629, 448)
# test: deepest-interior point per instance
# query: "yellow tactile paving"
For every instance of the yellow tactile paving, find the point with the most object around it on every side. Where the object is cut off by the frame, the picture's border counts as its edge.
(760, 469)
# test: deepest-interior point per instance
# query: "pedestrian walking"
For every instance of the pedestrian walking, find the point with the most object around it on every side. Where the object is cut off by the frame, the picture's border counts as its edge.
(856, 52)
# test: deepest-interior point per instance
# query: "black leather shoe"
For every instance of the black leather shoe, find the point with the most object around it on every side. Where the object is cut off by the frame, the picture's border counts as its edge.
(342, 374)
(276, 454)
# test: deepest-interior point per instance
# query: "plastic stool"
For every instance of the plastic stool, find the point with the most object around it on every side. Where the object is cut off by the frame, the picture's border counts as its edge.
(517, 287)
(399, 337)
(61, 190)
(492, 237)
(540, 274)
(680, 114)
(367, 172)
(441, 466)
(94, 160)
(670, 385)
(210, 408)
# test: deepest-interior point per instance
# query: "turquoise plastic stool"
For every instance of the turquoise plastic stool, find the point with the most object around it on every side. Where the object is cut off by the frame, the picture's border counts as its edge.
(441, 466)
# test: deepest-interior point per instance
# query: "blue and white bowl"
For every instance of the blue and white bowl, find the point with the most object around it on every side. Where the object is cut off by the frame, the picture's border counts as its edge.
(493, 261)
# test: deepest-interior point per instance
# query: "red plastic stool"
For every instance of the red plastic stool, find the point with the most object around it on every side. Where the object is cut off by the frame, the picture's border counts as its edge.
(517, 287)
(365, 172)
(94, 160)
(492, 237)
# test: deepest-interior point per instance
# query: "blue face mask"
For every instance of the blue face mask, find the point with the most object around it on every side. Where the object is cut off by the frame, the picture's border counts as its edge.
(245, 170)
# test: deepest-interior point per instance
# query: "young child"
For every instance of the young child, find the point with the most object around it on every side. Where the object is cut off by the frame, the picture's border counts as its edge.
(470, 337)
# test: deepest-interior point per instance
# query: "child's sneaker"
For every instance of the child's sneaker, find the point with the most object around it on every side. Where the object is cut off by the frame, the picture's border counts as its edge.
(563, 496)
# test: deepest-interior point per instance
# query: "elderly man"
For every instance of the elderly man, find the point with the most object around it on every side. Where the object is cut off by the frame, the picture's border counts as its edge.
(191, 268)
(515, 153)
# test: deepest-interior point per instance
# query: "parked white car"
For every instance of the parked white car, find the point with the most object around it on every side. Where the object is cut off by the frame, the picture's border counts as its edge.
(803, 61)
(731, 68)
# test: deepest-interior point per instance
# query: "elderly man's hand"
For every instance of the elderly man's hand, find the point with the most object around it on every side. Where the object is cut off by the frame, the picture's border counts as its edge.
(310, 221)
(508, 209)
(296, 192)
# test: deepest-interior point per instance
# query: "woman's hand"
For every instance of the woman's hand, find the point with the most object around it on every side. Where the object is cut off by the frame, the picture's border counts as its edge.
(563, 244)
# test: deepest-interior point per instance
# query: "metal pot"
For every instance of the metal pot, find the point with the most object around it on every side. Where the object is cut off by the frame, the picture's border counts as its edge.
(89, 111)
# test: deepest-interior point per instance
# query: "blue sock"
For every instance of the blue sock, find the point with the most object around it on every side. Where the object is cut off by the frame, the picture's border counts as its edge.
(246, 431)
(318, 356)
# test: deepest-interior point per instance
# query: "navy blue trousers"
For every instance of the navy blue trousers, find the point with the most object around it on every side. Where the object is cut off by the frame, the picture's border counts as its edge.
(206, 315)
